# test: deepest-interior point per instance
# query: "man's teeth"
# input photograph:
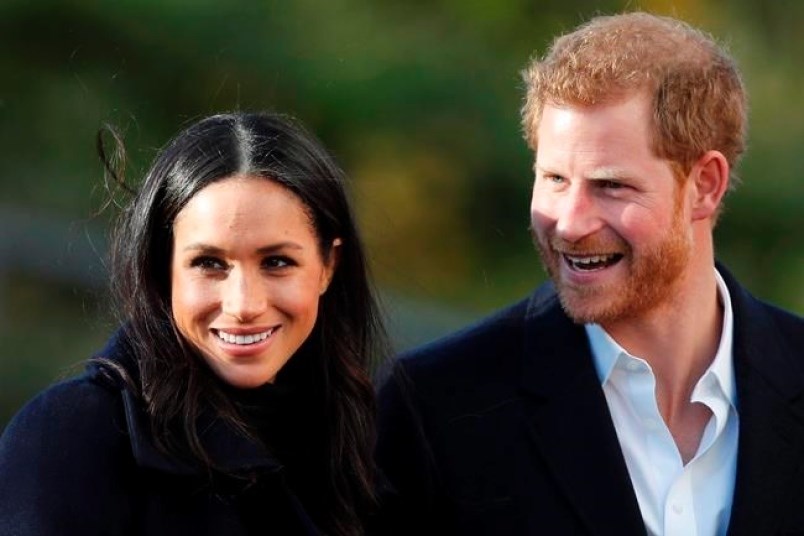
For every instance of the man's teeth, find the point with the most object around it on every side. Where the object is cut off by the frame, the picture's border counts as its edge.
(592, 262)
(244, 339)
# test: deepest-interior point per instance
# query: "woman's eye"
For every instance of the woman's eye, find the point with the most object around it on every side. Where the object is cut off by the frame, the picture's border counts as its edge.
(208, 263)
(276, 262)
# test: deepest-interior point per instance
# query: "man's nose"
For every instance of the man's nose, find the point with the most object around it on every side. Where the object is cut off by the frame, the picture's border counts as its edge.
(576, 213)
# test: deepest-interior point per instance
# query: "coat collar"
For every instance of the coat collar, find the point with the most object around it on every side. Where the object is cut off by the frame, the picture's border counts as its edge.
(229, 450)
(572, 428)
(569, 419)
(769, 372)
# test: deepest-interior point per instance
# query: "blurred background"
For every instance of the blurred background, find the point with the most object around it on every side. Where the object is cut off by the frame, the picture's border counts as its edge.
(419, 103)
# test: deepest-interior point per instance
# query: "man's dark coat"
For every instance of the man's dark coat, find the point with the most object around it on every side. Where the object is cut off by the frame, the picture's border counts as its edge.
(503, 429)
(79, 460)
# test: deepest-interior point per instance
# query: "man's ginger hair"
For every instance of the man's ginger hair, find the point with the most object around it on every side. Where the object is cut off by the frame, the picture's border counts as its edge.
(699, 102)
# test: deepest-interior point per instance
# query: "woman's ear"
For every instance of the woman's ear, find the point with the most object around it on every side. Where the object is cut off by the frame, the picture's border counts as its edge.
(709, 179)
(330, 265)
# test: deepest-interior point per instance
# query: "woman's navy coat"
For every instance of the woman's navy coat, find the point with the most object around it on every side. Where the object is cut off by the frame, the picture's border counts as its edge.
(79, 459)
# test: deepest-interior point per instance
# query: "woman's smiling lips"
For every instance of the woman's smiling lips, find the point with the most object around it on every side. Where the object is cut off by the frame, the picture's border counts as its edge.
(240, 342)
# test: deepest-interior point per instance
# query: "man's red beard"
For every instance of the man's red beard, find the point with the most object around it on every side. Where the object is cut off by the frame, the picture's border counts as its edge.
(652, 274)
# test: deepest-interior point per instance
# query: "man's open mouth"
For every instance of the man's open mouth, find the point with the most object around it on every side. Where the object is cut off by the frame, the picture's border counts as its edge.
(589, 263)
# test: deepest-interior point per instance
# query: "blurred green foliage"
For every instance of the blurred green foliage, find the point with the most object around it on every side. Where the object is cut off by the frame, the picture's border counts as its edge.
(418, 101)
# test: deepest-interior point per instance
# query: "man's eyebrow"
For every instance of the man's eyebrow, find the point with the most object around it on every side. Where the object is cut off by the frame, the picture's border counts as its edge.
(607, 173)
(603, 173)
(543, 169)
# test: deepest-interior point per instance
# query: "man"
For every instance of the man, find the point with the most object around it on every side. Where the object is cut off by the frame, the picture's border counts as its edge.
(643, 391)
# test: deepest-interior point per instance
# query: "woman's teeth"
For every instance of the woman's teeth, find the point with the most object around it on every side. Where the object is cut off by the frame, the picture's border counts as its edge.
(244, 339)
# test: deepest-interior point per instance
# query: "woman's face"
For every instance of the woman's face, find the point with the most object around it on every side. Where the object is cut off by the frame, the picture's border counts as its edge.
(246, 277)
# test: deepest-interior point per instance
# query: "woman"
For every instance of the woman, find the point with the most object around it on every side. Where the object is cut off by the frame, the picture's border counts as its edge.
(235, 399)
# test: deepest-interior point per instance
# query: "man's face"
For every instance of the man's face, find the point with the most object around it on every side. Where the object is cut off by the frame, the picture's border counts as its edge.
(608, 216)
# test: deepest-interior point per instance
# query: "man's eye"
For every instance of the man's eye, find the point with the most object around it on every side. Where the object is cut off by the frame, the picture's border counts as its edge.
(611, 185)
(208, 263)
(557, 179)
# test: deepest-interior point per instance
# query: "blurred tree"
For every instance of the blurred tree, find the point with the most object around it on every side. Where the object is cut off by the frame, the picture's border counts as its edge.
(419, 101)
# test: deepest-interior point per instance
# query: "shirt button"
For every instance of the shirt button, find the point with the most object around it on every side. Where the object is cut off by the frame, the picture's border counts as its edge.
(678, 509)
(633, 366)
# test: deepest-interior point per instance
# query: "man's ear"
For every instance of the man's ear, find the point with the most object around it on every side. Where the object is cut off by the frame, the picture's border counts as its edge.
(709, 179)
(330, 265)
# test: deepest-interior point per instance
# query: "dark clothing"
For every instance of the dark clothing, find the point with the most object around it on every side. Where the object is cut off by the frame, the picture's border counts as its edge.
(503, 429)
(79, 459)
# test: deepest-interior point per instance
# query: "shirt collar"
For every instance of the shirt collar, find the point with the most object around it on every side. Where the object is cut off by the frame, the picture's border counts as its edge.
(606, 352)
(723, 364)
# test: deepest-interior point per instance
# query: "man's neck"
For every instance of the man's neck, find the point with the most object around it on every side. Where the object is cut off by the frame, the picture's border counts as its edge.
(679, 340)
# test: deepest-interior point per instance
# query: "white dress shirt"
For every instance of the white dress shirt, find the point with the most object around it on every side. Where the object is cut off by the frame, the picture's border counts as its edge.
(675, 500)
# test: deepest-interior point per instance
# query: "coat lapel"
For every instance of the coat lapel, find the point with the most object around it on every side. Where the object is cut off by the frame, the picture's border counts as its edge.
(570, 423)
(771, 409)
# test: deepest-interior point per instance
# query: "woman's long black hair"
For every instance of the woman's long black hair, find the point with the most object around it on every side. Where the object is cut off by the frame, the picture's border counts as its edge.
(173, 381)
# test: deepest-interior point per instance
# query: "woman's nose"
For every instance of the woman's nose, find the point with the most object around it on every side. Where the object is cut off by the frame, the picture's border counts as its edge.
(243, 299)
